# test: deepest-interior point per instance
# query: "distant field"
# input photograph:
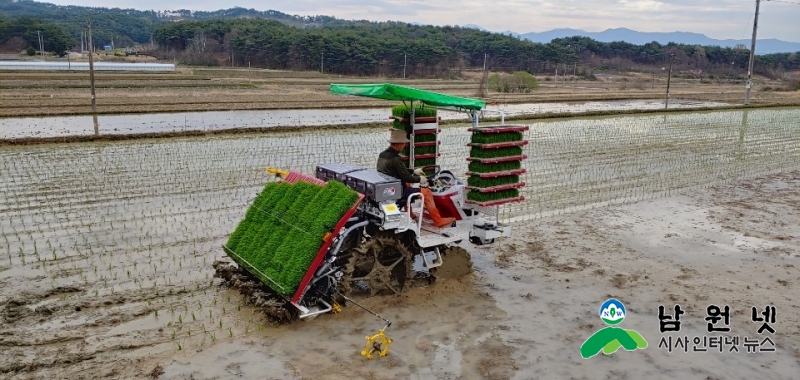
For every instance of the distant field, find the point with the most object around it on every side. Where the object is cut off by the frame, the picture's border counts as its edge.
(67, 93)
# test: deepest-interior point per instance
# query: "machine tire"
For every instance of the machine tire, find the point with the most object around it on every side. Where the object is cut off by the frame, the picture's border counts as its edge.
(382, 264)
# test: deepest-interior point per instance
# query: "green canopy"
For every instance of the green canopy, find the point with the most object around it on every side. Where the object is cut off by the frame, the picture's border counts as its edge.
(388, 91)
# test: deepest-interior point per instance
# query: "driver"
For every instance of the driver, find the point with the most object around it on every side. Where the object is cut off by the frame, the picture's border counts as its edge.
(390, 163)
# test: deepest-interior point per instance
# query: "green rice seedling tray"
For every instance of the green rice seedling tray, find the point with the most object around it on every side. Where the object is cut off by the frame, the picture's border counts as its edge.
(286, 227)
(500, 129)
(506, 144)
(511, 151)
(424, 138)
(478, 182)
(497, 159)
(495, 189)
(476, 196)
(418, 144)
(424, 162)
(426, 132)
(480, 167)
(494, 138)
(398, 125)
(419, 150)
(497, 174)
(403, 111)
(496, 202)
(421, 156)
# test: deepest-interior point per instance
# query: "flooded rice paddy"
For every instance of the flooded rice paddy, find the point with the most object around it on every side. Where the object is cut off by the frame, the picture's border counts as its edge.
(60, 126)
(106, 247)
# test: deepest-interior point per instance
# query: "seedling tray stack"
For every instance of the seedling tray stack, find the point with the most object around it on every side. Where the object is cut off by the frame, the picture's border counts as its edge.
(287, 230)
(426, 135)
(495, 164)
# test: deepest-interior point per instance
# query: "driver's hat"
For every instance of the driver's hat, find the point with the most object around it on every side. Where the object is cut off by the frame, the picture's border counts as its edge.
(398, 136)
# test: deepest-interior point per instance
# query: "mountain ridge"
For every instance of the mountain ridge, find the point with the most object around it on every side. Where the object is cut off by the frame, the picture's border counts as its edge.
(763, 45)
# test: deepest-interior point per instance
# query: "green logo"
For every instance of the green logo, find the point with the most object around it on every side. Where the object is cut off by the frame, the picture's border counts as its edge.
(610, 339)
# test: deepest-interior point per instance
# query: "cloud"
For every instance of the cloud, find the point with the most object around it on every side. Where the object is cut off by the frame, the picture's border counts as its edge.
(720, 19)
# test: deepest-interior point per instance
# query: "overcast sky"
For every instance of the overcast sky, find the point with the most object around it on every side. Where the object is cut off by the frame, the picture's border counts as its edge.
(721, 19)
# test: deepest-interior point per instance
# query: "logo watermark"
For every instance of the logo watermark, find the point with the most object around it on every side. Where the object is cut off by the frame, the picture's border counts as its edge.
(610, 339)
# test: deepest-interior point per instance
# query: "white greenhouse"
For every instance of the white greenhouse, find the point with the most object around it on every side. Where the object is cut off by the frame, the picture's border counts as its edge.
(84, 66)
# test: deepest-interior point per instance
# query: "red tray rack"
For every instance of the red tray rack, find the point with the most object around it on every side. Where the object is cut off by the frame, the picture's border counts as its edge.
(421, 156)
(421, 120)
(500, 129)
(498, 174)
(497, 202)
(497, 188)
(497, 159)
(499, 145)
(427, 143)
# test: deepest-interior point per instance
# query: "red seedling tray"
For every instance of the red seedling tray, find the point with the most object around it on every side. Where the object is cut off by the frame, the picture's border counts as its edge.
(427, 131)
(499, 145)
(497, 159)
(421, 120)
(427, 143)
(500, 129)
(421, 156)
(497, 188)
(497, 174)
(497, 202)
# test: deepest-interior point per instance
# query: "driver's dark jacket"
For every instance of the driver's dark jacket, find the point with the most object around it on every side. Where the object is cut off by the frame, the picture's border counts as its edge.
(389, 162)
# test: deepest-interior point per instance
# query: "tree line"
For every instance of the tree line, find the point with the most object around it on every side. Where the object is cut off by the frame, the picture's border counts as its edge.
(393, 48)
(25, 32)
(127, 27)
(271, 39)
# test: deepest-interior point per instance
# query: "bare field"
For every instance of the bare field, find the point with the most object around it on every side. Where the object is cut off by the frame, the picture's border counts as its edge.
(59, 93)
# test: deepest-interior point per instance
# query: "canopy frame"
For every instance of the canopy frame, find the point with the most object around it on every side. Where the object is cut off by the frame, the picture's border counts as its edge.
(389, 91)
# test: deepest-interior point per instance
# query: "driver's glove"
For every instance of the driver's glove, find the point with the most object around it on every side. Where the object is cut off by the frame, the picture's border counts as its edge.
(419, 172)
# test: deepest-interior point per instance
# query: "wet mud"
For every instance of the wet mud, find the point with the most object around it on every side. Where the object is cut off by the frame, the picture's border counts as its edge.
(107, 253)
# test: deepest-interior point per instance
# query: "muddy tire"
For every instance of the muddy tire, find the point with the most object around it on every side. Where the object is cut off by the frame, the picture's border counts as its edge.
(381, 265)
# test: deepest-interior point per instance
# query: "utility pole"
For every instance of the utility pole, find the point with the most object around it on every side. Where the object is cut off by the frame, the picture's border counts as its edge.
(405, 62)
(91, 76)
(39, 38)
(749, 84)
(484, 87)
(322, 63)
(669, 78)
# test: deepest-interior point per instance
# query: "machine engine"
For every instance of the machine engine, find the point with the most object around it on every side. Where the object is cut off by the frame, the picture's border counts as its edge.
(381, 192)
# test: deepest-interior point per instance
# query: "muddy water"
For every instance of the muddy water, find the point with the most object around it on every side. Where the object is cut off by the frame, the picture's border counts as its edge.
(444, 331)
(106, 248)
(13, 128)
